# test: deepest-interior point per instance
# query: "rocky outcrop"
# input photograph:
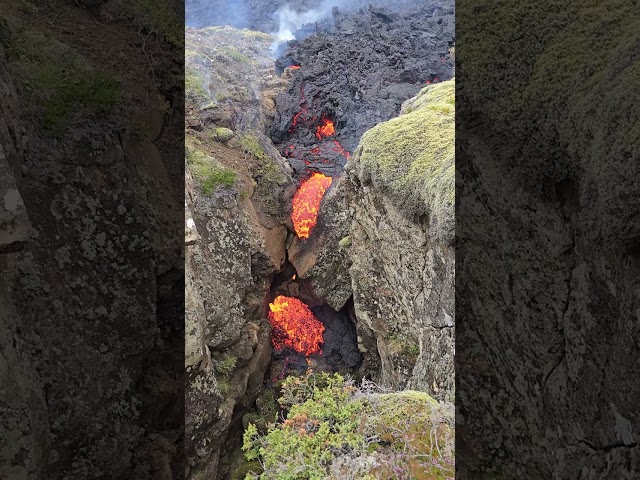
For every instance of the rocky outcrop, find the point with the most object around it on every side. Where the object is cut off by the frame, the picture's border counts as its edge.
(322, 258)
(357, 72)
(399, 192)
(91, 280)
(237, 194)
(549, 235)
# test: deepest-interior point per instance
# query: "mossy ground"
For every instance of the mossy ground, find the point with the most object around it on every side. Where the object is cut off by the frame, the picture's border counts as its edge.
(412, 156)
(209, 171)
(333, 429)
(58, 79)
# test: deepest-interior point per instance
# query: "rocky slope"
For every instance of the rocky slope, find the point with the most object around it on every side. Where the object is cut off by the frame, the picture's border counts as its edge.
(92, 281)
(549, 350)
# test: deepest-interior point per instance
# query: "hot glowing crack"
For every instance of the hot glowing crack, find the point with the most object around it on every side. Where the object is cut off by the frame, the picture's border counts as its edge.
(306, 203)
(294, 326)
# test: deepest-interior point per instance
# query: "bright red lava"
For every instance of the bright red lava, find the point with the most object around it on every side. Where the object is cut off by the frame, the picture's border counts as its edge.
(306, 203)
(294, 326)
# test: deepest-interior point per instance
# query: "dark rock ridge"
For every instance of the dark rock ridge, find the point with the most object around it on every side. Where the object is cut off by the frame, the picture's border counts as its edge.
(357, 73)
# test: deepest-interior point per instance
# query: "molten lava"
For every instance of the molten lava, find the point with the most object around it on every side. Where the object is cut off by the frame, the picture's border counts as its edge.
(295, 67)
(326, 129)
(294, 326)
(306, 203)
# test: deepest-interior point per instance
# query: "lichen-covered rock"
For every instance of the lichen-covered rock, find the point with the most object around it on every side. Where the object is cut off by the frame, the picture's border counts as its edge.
(400, 198)
(93, 294)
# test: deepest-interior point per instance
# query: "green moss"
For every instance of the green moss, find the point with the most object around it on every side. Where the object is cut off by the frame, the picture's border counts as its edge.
(158, 16)
(194, 86)
(234, 53)
(412, 156)
(223, 134)
(245, 469)
(269, 170)
(59, 80)
(209, 171)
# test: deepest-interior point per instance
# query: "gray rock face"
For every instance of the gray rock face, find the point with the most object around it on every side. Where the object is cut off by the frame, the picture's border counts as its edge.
(235, 239)
(403, 295)
(91, 321)
(402, 269)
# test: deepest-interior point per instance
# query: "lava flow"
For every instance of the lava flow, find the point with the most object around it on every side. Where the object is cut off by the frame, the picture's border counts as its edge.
(294, 326)
(306, 203)
(326, 129)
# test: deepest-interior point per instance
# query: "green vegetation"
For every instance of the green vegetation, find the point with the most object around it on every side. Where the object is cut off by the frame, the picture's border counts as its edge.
(194, 86)
(226, 365)
(59, 80)
(569, 73)
(334, 430)
(158, 16)
(209, 171)
(268, 168)
(413, 158)
(235, 54)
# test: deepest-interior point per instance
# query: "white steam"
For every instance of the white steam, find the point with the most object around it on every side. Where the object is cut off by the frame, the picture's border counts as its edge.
(290, 21)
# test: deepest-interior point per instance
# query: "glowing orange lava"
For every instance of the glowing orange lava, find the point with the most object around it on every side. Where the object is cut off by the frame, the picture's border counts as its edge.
(294, 326)
(326, 129)
(306, 203)
(295, 67)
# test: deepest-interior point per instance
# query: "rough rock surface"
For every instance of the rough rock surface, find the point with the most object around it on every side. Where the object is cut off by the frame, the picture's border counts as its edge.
(91, 281)
(237, 196)
(403, 264)
(548, 302)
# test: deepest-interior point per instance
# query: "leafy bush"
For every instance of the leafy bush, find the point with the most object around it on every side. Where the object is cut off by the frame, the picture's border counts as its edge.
(335, 430)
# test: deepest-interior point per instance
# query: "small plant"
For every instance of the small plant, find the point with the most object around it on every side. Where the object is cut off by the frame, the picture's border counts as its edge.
(226, 365)
(335, 430)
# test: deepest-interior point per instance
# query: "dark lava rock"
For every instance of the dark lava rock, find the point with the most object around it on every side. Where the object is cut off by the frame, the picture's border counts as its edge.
(357, 74)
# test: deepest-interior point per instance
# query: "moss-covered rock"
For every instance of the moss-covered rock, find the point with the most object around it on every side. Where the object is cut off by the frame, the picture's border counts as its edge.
(58, 79)
(412, 157)
(223, 134)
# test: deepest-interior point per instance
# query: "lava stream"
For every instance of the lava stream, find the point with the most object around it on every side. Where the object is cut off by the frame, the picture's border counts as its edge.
(294, 326)
(306, 203)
